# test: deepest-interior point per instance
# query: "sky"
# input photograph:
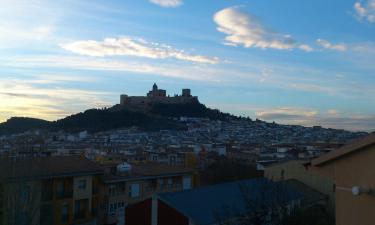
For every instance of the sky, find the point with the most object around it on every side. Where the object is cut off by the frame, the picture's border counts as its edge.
(293, 62)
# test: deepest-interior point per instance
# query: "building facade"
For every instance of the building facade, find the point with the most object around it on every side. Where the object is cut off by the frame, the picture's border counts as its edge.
(121, 189)
(352, 169)
(215, 204)
(49, 190)
(297, 170)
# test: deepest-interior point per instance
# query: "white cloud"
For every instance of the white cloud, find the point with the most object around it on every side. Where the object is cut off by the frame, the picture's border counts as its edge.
(167, 3)
(287, 113)
(327, 45)
(27, 98)
(191, 72)
(133, 47)
(333, 112)
(306, 48)
(243, 29)
(310, 117)
(15, 34)
(365, 10)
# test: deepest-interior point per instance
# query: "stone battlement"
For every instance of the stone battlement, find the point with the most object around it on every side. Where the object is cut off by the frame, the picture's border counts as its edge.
(157, 95)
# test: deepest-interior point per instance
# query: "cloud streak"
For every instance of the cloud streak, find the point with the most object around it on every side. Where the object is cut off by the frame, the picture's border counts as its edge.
(167, 3)
(310, 117)
(327, 45)
(133, 47)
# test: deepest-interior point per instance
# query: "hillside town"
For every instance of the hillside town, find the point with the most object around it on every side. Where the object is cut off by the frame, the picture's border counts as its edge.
(129, 176)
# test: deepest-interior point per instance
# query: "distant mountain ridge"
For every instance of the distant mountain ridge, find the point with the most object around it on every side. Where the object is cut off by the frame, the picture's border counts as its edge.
(157, 117)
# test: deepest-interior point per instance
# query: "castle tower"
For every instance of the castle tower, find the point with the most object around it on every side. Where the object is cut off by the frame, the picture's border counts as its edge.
(154, 87)
(186, 92)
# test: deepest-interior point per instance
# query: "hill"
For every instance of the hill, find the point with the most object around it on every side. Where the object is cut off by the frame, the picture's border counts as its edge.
(21, 124)
(157, 117)
(161, 116)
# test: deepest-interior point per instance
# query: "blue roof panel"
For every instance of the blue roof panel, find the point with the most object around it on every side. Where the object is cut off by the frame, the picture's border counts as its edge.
(204, 204)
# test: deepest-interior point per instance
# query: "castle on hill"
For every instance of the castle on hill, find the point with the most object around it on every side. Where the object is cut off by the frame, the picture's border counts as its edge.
(157, 95)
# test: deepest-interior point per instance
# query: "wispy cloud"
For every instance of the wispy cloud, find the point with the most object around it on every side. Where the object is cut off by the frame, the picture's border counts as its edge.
(60, 78)
(327, 45)
(167, 3)
(331, 118)
(133, 47)
(191, 72)
(280, 76)
(365, 10)
(14, 34)
(286, 113)
(244, 29)
(306, 48)
(305, 116)
(24, 98)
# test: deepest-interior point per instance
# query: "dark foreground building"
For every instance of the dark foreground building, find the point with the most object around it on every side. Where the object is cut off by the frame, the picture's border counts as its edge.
(213, 204)
(49, 191)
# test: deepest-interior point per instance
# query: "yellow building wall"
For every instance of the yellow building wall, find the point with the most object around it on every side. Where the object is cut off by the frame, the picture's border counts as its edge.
(356, 169)
(296, 170)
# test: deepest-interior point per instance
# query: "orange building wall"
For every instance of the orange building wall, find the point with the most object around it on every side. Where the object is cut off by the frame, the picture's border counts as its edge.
(356, 169)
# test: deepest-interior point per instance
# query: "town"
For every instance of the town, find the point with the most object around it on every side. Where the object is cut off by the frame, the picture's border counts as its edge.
(114, 176)
(187, 112)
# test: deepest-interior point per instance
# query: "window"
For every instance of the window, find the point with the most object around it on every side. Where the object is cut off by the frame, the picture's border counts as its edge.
(25, 194)
(170, 182)
(120, 205)
(172, 160)
(64, 213)
(161, 182)
(186, 183)
(82, 184)
(134, 190)
(80, 208)
(60, 187)
(112, 190)
(112, 209)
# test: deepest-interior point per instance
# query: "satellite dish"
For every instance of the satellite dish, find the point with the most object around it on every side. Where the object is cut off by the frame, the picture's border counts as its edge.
(124, 167)
(356, 190)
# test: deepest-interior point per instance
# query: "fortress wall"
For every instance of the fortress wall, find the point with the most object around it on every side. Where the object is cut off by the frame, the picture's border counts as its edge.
(144, 101)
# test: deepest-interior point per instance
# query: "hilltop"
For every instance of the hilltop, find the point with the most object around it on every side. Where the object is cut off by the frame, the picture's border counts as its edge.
(158, 111)
(159, 116)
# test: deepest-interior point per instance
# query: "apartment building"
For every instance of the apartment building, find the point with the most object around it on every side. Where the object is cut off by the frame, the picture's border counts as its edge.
(223, 203)
(49, 190)
(298, 170)
(123, 187)
(352, 169)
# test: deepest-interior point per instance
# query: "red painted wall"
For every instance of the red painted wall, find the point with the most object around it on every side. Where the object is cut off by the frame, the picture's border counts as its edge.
(169, 216)
(139, 213)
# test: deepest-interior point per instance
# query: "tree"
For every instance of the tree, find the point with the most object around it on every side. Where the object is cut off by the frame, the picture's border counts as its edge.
(268, 203)
(315, 215)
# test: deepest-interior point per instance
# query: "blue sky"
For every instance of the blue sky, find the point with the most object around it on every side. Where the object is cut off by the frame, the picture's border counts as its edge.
(293, 62)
